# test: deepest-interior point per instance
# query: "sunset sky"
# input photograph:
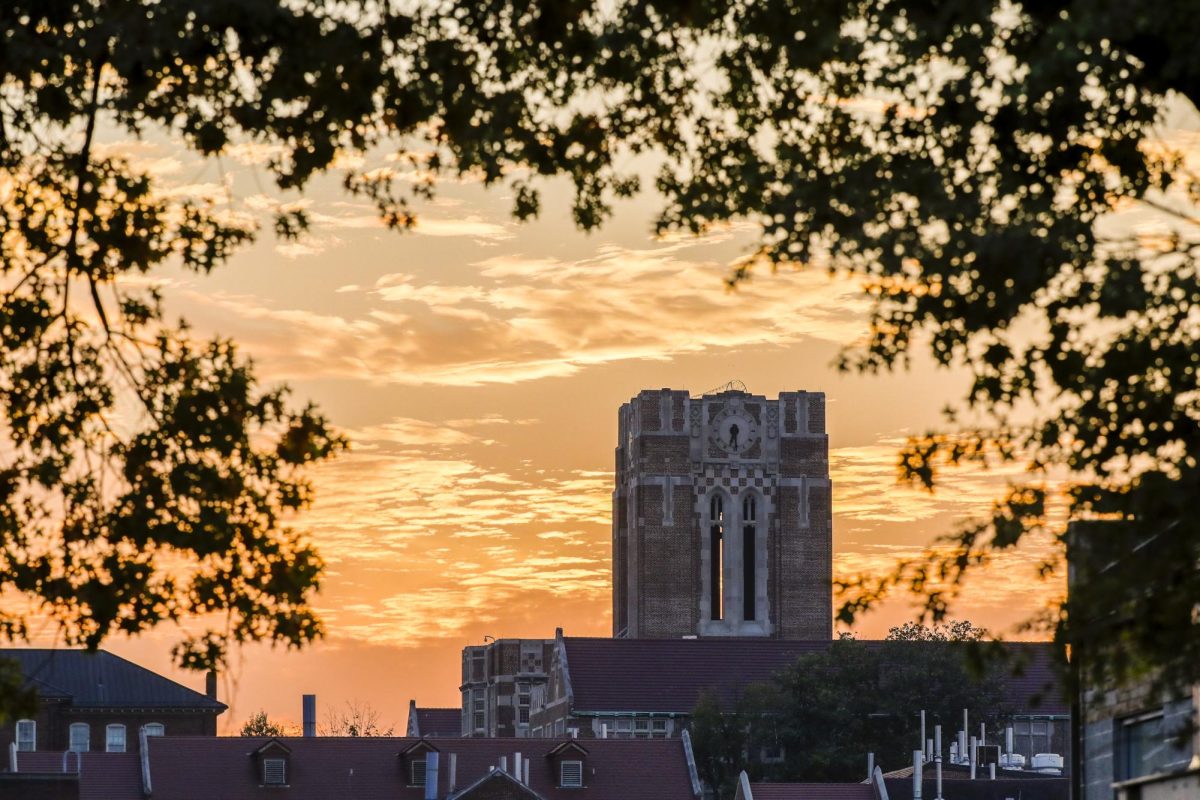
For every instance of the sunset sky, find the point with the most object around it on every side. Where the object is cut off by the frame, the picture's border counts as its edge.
(477, 366)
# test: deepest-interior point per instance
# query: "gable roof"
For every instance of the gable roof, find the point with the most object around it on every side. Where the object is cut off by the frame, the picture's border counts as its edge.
(812, 791)
(513, 786)
(103, 680)
(668, 675)
(438, 722)
(367, 768)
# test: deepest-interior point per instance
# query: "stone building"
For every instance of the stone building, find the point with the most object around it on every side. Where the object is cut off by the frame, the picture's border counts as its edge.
(722, 522)
(498, 678)
(100, 702)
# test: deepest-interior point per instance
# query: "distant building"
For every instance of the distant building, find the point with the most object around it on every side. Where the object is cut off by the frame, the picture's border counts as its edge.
(379, 768)
(100, 702)
(1137, 743)
(722, 523)
(433, 722)
(498, 679)
(647, 688)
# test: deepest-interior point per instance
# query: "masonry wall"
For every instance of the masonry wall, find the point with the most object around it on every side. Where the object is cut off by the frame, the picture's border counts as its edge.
(54, 721)
(674, 454)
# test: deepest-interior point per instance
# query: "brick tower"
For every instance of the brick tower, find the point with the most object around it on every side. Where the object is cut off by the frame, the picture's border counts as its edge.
(722, 521)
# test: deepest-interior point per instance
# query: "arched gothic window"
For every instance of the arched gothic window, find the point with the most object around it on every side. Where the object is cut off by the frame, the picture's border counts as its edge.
(749, 553)
(716, 543)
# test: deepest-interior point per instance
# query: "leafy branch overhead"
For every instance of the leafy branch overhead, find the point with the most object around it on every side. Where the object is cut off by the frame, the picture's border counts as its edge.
(961, 156)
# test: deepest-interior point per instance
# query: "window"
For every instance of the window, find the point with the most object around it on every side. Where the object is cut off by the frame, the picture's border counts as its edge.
(624, 728)
(570, 774)
(275, 771)
(81, 737)
(26, 735)
(660, 729)
(1146, 745)
(114, 739)
(416, 771)
(560, 727)
(479, 712)
(523, 703)
(154, 729)
(641, 729)
(749, 551)
(716, 558)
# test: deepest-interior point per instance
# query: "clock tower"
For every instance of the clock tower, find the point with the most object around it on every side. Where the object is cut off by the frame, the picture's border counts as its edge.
(722, 520)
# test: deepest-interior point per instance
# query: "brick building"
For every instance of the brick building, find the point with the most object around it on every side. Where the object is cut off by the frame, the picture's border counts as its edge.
(498, 679)
(647, 688)
(722, 521)
(100, 702)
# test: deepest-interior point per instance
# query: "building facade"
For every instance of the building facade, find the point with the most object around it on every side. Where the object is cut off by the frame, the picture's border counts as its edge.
(89, 702)
(722, 518)
(498, 679)
(647, 688)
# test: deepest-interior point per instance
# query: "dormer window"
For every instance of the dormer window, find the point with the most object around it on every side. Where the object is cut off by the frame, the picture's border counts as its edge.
(570, 774)
(274, 771)
(569, 760)
(273, 766)
(415, 762)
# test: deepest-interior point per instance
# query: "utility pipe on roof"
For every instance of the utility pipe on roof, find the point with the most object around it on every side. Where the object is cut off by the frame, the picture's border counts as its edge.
(922, 729)
(453, 772)
(870, 765)
(972, 755)
(918, 778)
(937, 757)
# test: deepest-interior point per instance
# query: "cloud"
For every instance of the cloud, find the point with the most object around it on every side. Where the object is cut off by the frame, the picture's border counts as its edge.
(523, 319)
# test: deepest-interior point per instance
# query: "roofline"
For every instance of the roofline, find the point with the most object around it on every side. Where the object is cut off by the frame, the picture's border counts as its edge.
(489, 775)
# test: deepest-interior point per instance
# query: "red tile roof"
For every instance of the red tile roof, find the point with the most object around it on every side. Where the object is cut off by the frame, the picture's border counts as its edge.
(811, 791)
(367, 768)
(440, 722)
(668, 675)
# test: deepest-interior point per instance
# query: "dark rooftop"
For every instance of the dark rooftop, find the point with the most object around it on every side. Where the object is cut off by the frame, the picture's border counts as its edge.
(439, 722)
(812, 791)
(103, 680)
(668, 675)
(366, 768)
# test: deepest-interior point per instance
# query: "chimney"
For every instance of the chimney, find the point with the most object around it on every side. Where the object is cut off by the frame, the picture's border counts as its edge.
(453, 773)
(431, 775)
(918, 777)
(310, 714)
(210, 684)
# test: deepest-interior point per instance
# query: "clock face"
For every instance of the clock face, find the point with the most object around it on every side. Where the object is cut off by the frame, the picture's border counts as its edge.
(734, 431)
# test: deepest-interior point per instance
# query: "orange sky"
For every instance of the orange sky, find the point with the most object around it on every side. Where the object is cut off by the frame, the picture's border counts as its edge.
(478, 366)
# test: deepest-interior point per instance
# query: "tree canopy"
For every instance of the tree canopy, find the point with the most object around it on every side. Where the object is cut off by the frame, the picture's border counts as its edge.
(961, 157)
(805, 725)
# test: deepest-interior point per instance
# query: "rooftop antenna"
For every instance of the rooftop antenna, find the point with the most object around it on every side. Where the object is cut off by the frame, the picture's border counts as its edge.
(731, 386)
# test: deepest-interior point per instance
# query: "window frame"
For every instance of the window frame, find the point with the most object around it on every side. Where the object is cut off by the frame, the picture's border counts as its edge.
(109, 730)
(162, 729)
(26, 724)
(282, 763)
(415, 780)
(562, 774)
(87, 732)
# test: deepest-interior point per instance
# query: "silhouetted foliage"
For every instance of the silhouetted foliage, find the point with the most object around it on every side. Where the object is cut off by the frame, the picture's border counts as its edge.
(261, 725)
(956, 155)
(818, 719)
(356, 719)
